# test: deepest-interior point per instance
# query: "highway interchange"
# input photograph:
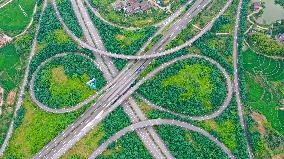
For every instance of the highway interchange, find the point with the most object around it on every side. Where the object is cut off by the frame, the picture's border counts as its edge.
(120, 88)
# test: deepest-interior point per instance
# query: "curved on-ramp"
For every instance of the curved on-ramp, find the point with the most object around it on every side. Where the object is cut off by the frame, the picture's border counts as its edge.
(155, 122)
(205, 117)
(69, 108)
(159, 24)
(134, 57)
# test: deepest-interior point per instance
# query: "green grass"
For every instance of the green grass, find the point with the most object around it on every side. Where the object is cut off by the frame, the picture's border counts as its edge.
(10, 62)
(65, 90)
(261, 65)
(114, 122)
(264, 84)
(12, 19)
(62, 81)
(195, 79)
(192, 87)
(187, 144)
(37, 129)
(128, 146)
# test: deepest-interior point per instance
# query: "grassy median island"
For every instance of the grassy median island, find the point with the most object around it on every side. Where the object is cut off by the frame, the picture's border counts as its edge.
(15, 16)
(37, 129)
(62, 81)
(140, 19)
(129, 146)
(192, 87)
(188, 144)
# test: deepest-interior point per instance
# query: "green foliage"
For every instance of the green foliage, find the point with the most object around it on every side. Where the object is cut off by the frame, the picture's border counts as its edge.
(128, 146)
(121, 41)
(20, 116)
(140, 19)
(62, 81)
(195, 79)
(69, 17)
(187, 144)
(278, 28)
(265, 45)
(280, 2)
(261, 65)
(171, 97)
(37, 129)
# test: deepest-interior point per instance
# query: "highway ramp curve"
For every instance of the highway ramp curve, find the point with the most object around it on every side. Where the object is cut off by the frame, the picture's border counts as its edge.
(135, 57)
(155, 122)
(68, 108)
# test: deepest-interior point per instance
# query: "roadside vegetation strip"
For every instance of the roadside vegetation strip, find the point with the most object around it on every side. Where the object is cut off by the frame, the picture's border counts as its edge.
(238, 36)
(68, 108)
(121, 56)
(155, 122)
(23, 84)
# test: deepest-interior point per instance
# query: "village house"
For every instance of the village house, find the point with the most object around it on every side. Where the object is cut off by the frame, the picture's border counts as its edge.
(256, 6)
(4, 39)
(280, 38)
(131, 6)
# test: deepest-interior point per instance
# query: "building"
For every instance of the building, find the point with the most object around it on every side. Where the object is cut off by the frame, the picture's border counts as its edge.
(280, 38)
(256, 6)
(131, 6)
(4, 39)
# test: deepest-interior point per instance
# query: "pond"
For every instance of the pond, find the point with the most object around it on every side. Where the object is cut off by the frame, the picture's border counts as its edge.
(271, 13)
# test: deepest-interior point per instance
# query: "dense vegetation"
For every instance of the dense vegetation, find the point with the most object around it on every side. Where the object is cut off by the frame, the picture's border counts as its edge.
(188, 144)
(196, 93)
(280, 2)
(225, 127)
(69, 17)
(121, 41)
(12, 64)
(265, 45)
(62, 81)
(37, 129)
(128, 146)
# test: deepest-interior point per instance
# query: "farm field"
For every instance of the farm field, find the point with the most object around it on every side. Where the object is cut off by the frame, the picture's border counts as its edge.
(15, 16)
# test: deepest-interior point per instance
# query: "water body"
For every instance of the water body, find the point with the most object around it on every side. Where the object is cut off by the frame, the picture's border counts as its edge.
(271, 13)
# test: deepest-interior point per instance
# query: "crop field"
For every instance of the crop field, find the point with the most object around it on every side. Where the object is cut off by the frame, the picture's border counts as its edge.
(265, 82)
(14, 19)
(264, 87)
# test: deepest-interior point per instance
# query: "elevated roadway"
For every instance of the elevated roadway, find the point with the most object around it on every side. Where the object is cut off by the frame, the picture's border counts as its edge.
(113, 97)
(155, 122)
